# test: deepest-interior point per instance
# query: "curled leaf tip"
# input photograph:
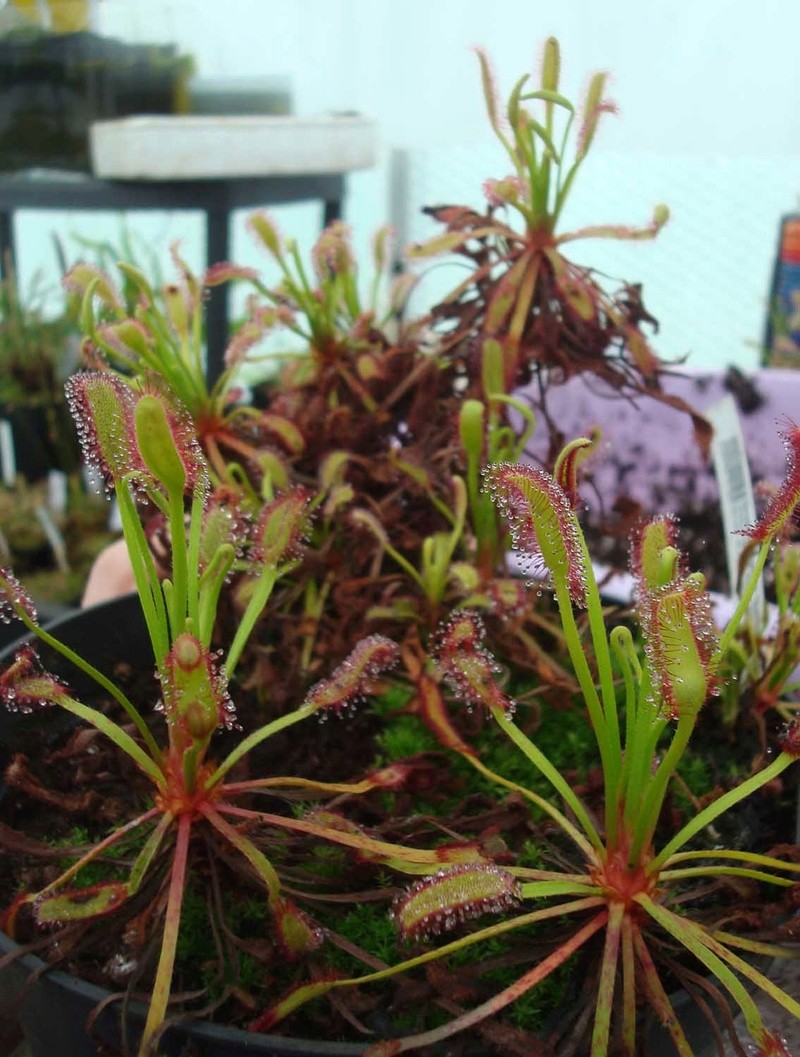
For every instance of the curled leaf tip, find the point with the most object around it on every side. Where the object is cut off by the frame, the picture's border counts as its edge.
(781, 507)
(354, 677)
(467, 666)
(543, 524)
(26, 686)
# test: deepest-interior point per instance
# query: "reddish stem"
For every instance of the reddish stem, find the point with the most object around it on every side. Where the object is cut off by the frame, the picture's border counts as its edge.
(169, 939)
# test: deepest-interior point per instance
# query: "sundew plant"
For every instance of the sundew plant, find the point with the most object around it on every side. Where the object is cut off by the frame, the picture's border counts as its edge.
(143, 444)
(626, 884)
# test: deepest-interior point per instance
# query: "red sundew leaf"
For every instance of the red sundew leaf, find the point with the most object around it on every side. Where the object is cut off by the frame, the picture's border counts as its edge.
(569, 461)
(467, 665)
(429, 703)
(790, 739)
(25, 686)
(506, 191)
(507, 597)
(246, 338)
(451, 897)
(225, 272)
(332, 253)
(353, 679)
(782, 505)
(394, 776)
(191, 286)
(77, 904)
(195, 689)
(464, 632)
(771, 1044)
(490, 94)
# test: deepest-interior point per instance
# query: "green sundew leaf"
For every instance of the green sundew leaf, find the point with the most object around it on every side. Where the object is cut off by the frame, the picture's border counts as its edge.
(551, 65)
(297, 934)
(274, 469)
(86, 319)
(544, 136)
(285, 429)
(137, 279)
(489, 92)
(592, 109)
(264, 228)
(471, 428)
(454, 896)
(514, 98)
(339, 496)
(79, 903)
(90, 281)
(447, 242)
(333, 468)
(157, 445)
(549, 96)
(492, 368)
(147, 854)
(127, 339)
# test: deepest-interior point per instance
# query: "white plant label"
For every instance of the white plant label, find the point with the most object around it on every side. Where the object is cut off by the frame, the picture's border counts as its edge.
(8, 459)
(735, 492)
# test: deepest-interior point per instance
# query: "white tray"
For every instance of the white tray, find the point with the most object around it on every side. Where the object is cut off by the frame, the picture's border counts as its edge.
(196, 148)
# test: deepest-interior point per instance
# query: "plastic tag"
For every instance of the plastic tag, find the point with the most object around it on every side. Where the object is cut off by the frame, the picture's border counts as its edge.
(8, 459)
(735, 491)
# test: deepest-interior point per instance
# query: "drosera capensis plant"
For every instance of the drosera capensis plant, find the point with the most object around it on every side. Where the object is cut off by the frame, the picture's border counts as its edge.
(341, 317)
(164, 335)
(629, 883)
(552, 317)
(143, 444)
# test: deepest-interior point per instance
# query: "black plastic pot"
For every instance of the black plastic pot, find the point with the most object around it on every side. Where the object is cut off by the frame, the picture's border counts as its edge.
(44, 437)
(55, 1009)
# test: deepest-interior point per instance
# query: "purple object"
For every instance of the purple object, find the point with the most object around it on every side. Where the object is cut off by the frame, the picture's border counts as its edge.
(648, 451)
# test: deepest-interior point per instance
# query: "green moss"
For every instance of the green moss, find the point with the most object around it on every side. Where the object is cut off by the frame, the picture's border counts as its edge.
(404, 735)
(368, 925)
(104, 868)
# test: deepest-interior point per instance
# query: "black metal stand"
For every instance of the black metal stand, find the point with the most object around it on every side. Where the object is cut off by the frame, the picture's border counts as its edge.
(217, 199)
